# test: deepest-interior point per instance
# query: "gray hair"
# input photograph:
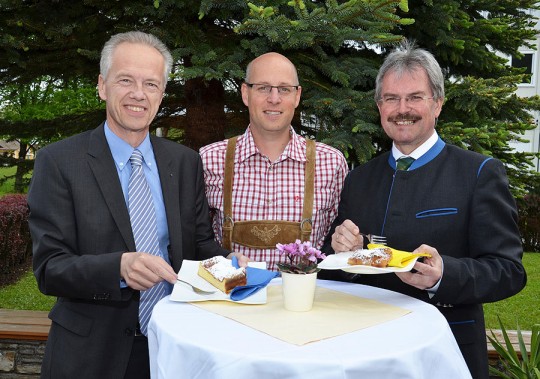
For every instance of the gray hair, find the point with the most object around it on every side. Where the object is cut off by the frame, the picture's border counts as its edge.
(408, 58)
(134, 37)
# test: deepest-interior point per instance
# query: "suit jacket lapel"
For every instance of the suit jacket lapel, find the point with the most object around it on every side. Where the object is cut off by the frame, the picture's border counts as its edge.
(102, 165)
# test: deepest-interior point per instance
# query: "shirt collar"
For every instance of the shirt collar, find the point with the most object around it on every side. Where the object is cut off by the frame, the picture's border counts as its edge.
(294, 150)
(419, 151)
(121, 150)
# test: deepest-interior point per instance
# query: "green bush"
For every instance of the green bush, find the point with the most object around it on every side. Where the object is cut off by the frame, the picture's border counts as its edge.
(529, 222)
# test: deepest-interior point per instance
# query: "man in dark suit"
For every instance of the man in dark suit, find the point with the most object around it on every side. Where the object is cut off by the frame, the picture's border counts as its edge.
(451, 203)
(84, 246)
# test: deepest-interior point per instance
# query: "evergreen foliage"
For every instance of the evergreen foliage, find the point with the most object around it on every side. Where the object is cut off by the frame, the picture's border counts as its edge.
(337, 47)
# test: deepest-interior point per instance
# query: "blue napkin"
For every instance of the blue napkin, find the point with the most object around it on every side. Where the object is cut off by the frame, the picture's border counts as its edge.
(256, 279)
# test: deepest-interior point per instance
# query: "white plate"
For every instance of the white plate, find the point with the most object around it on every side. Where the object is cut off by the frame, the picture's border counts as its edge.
(188, 272)
(339, 262)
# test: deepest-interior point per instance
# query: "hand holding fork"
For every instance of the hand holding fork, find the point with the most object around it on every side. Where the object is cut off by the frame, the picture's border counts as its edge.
(374, 239)
(347, 237)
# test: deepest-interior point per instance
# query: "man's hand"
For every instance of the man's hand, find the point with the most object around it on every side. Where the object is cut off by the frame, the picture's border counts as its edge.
(428, 273)
(242, 259)
(347, 237)
(142, 271)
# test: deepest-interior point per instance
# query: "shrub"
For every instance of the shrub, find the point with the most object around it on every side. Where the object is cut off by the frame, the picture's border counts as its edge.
(529, 222)
(15, 242)
(528, 367)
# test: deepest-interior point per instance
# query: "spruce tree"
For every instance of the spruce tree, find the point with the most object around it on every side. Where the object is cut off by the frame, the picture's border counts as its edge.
(337, 47)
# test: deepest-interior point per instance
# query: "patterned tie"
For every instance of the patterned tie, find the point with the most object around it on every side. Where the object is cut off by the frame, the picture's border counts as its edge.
(404, 163)
(144, 227)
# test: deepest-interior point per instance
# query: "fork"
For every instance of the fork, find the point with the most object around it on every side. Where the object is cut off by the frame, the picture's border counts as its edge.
(372, 238)
(196, 289)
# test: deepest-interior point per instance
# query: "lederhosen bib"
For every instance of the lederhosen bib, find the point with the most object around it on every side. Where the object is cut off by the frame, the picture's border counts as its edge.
(265, 234)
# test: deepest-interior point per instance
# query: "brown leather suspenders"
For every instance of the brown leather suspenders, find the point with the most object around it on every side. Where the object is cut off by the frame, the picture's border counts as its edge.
(265, 234)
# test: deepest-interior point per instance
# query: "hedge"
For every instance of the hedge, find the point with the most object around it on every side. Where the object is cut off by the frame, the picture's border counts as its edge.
(15, 242)
(529, 221)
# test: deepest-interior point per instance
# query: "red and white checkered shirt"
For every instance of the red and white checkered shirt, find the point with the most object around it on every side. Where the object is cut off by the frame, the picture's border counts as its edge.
(264, 190)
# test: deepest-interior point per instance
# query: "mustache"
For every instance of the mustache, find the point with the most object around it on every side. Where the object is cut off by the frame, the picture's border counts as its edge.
(404, 117)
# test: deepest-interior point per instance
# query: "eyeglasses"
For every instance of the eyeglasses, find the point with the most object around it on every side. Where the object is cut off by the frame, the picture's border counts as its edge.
(266, 89)
(411, 99)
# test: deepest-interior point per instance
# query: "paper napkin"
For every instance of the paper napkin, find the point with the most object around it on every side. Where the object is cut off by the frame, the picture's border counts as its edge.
(256, 279)
(399, 258)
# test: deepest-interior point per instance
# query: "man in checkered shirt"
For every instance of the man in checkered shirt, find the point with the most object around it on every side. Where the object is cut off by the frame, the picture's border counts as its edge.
(270, 161)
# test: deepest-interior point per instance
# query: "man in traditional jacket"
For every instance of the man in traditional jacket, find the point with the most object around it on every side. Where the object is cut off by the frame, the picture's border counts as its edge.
(451, 203)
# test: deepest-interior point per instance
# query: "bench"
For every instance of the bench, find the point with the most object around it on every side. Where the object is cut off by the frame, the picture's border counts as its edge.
(24, 325)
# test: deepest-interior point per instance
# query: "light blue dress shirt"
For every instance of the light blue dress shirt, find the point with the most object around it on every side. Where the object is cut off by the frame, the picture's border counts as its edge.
(121, 152)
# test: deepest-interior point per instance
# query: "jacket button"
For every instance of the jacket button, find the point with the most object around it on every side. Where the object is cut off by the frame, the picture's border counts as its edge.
(129, 332)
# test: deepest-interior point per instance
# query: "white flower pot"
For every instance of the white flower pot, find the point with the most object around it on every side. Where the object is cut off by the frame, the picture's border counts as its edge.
(298, 291)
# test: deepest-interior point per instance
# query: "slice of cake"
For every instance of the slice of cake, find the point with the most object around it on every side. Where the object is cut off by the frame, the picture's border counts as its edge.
(219, 272)
(371, 257)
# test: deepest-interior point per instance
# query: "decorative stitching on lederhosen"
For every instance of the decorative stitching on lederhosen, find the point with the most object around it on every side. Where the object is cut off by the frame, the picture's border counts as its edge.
(265, 234)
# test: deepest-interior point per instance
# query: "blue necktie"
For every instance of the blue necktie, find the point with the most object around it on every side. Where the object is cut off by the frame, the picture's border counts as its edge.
(404, 163)
(143, 224)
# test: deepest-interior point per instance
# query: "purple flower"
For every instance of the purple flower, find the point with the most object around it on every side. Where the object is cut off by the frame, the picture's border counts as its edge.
(301, 257)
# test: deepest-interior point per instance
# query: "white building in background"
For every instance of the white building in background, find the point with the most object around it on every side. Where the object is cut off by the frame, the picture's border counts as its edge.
(10, 148)
(530, 60)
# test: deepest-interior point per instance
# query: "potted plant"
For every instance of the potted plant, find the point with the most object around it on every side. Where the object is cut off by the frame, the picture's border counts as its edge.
(299, 274)
(514, 367)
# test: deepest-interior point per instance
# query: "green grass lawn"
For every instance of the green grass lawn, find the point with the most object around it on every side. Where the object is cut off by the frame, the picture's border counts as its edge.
(522, 308)
(25, 295)
(6, 187)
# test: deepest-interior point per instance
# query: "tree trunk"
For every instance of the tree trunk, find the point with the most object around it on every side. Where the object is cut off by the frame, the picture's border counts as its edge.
(21, 168)
(205, 112)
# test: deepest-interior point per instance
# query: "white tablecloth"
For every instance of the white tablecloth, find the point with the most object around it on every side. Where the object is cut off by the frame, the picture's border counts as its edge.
(189, 342)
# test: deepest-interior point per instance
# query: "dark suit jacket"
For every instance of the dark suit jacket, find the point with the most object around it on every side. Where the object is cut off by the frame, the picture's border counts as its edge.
(80, 227)
(458, 202)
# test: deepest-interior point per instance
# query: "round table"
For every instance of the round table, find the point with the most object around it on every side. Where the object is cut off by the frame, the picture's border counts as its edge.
(186, 341)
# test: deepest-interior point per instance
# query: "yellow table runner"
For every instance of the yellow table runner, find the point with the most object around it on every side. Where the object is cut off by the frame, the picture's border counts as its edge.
(334, 313)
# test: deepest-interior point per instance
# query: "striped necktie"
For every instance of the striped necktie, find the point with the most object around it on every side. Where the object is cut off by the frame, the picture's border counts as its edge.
(404, 163)
(143, 224)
